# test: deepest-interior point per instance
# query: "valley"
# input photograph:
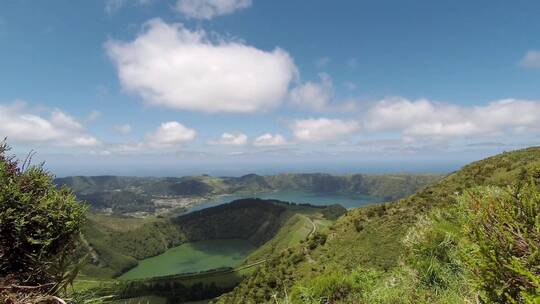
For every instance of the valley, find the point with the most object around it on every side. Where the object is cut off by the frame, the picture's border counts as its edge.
(212, 249)
(324, 252)
(232, 248)
(212, 231)
(265, 250)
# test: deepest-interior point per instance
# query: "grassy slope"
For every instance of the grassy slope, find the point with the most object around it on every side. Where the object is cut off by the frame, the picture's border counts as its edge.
(295, 230)
(371, 237)
(117, 243)
(255, 220)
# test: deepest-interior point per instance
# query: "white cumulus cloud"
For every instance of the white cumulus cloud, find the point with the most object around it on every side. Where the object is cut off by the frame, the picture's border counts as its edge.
(231, 139)
(268, 139)
(314, 95)
(322, 129)
(20, 124)
(319, 96)
(207, 9)
(531, 59)
(170, 134)
(169, 65)
(424, 118)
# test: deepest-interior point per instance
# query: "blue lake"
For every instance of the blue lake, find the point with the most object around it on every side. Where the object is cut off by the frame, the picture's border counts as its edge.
(299, 197)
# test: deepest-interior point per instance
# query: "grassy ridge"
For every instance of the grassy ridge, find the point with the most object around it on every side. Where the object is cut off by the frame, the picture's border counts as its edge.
(255, 220)
(366, 246)
(297, 228)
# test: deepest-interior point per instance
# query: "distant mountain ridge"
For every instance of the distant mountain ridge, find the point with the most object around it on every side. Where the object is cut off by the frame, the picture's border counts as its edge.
(99, 190)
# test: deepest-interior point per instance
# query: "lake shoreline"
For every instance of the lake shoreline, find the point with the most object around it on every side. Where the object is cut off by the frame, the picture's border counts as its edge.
(192, 257)
(347, 200)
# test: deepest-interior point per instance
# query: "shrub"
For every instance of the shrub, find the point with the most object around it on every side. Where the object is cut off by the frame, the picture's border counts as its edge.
(502, 228)
(488, 244)
(39, 225)
(317, 239)
(358, 225)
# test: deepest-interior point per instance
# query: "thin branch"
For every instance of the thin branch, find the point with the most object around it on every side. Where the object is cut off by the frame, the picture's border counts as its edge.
(14, 286)
(28, 160)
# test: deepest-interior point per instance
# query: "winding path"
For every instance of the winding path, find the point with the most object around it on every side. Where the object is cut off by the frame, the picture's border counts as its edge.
(312, 229)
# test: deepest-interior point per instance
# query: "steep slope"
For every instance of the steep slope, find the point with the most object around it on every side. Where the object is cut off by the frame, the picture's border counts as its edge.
(255, 220)
(117, 243)
(371, 238)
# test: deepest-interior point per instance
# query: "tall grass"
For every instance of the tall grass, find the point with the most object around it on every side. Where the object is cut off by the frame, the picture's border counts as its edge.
(485, 249)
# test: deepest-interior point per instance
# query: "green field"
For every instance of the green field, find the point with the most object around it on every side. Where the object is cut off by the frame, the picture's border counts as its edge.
(193, 257)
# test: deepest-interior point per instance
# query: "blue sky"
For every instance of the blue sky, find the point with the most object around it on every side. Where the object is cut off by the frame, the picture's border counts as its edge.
(155, 87)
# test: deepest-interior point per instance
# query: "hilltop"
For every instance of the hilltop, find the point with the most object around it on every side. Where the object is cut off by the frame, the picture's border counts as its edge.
(366, 256)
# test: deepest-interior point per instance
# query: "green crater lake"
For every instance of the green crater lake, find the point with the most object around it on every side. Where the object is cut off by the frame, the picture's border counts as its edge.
(193, 257)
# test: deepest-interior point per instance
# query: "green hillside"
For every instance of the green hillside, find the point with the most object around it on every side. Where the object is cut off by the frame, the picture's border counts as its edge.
(253, 219)
(388, 186)
(407, 251)
(472, 237)
(116, 243)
